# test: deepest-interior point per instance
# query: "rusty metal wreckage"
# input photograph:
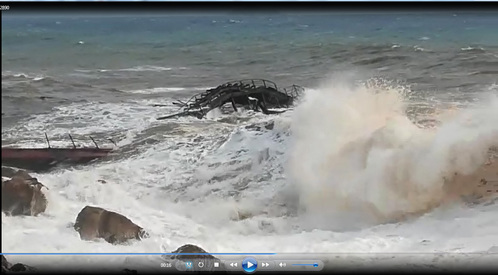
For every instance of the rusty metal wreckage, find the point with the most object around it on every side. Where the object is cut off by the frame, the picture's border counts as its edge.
(42, 159)
(258, 94)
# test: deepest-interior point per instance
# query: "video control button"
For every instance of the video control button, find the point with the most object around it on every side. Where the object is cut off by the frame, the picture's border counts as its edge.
(232, 265)
(183, 266)
(266, 265)
(249, 265)
(203, 264)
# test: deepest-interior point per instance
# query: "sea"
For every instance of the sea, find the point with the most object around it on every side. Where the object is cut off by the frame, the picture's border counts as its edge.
(392, 101)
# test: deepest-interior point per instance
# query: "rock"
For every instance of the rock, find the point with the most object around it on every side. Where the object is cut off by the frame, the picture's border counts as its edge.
(22, 195)
(190, 248)
(253, 127)
(257, 127)
(21, 268)
(8, 171)
(8, 267)
(207, 260)
(5, 264)
(270, 125)
(95, 222)
(11, 172)
(129, 271)
(87, 222)
(22, 175)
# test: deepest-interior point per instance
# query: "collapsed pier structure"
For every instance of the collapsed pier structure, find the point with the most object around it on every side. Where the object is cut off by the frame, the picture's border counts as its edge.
(257, 94)
(43, 159)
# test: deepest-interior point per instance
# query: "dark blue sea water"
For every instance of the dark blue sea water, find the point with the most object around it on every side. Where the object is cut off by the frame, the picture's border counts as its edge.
(67, 58)
(213, 47)
(73, 57)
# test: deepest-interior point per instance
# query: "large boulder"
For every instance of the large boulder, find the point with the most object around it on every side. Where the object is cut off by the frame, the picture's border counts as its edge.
(95, 222)
(22, 195)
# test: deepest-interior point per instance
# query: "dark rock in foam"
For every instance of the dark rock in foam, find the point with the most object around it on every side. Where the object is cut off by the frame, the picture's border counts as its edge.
(22, 195)
(95, 222)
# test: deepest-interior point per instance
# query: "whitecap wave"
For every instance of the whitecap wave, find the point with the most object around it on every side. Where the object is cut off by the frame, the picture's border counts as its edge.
(358, 160)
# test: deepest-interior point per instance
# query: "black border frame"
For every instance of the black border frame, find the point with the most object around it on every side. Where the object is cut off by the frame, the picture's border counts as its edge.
(155, 7)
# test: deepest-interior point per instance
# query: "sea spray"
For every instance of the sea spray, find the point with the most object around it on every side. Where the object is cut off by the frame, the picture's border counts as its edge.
(358, 160)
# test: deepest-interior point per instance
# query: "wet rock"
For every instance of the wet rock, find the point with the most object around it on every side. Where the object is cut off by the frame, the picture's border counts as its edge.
(22, 268)
(9, 172)
(257, 127)
(22, 175)
(129, 271)
(207, 260)
(5, 264)
(8, 267)
(253, 127)
(270, 125)
(190, 248)
(95, 222)
(22, 195)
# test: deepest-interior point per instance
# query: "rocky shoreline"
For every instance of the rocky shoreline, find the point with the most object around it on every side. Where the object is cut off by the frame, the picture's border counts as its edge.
(22, 194)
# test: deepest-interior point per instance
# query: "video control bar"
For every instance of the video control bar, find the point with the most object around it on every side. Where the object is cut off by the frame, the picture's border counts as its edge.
(247, 265)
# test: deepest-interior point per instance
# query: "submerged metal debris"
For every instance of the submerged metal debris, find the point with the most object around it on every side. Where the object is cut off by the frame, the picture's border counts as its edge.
(257, 94)
(42, 159)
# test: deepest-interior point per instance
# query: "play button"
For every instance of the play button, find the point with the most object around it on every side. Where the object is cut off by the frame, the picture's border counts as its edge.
(249, 265)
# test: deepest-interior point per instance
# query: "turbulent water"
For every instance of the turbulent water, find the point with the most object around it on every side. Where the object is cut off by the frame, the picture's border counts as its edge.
(356, 166)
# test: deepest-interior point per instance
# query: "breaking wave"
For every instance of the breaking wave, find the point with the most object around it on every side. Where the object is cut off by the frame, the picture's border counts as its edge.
(358, 160)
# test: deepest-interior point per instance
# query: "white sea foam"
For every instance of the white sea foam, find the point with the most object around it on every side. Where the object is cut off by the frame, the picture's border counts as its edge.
(82, 120)
(194, 187)
(358, 160)
(472, 49)
(146, 68)
(29, 76)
